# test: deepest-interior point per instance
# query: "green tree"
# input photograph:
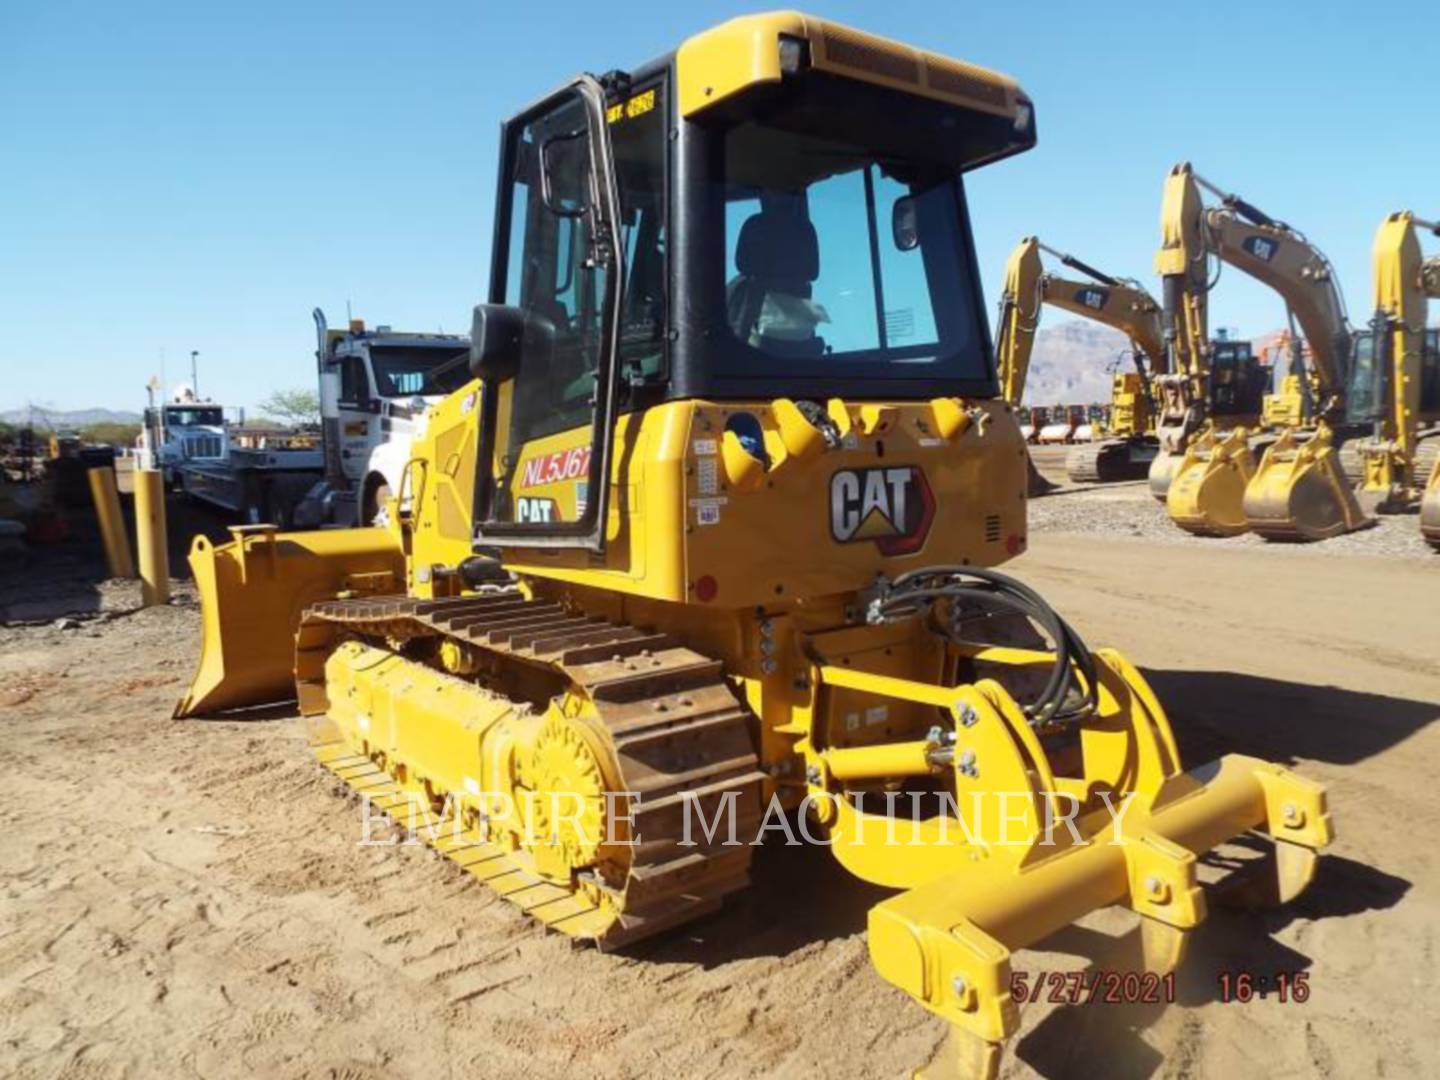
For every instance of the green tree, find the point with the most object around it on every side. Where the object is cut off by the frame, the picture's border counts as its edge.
(293, 406)
(113, 434)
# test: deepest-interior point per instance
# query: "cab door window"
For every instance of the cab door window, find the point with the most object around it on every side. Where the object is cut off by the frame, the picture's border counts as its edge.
(559, 270)
(354, 386)
(544, 458)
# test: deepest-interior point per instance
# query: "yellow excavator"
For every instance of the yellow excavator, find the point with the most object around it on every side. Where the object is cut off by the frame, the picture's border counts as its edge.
(709, 541)
(1215, 397)
(1130, 445)
(1394, 387)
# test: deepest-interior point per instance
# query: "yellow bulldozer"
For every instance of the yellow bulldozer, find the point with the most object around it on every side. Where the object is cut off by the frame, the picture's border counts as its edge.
(710, 538)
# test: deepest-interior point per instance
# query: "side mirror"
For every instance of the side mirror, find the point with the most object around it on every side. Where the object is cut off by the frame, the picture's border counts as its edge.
(904, 225)
(500, 335)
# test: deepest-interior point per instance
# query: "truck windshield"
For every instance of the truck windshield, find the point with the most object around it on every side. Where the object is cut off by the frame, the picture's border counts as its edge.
(193, 416)
(844, 262)
(405, 370)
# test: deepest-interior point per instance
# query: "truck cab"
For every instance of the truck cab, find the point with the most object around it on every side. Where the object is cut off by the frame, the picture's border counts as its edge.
(374, 386)
(181, 430)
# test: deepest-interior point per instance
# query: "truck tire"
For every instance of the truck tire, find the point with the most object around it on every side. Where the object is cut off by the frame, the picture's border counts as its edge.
(377, 493)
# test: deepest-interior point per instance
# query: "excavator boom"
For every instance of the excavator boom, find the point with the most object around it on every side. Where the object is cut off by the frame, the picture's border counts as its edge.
(1115, 302)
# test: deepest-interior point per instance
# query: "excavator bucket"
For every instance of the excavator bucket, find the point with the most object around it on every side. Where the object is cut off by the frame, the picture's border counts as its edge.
(1300, 492)
(1207, 491)
(1036, 484)
(252, 593)
(1430, 508)
(1162, 473)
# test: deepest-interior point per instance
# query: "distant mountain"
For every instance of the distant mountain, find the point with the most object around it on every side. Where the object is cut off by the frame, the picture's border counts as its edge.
(1072, 362)
(76, 418)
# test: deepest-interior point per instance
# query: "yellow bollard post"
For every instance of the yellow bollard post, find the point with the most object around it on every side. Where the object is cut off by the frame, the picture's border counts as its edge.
(150, 537)
(118, 559)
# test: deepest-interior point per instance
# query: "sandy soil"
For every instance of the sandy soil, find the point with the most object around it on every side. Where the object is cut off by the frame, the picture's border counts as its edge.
(189, 898)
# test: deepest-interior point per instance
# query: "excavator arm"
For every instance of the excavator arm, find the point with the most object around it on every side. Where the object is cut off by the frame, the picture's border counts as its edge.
(1388, 386)
(1120, 303)
(1114, 302)
(1020, 301)
(1183, 267)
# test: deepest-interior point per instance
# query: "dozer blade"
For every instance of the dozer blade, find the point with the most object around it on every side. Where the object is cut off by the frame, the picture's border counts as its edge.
(1208, 488)
(1300, 492)
(1430, 509)
(253, 591)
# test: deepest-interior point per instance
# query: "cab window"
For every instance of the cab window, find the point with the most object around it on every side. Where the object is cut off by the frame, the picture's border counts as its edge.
(842, 262)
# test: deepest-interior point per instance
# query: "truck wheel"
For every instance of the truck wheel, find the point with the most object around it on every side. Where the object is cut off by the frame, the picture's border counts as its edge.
(377, 495)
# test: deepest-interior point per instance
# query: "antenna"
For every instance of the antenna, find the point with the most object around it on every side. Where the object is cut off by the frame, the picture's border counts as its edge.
(349, 315)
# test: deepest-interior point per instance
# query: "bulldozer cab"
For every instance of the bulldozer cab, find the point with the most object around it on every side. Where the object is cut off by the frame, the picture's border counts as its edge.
(805, 237)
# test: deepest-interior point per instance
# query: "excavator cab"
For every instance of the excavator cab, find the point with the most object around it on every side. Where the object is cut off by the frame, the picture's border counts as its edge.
(1372, 369)
(1238, 381)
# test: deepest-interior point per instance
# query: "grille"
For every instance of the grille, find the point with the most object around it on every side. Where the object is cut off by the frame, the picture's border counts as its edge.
(202, 446)
(950, 78)
(992, 528)
(860, 51)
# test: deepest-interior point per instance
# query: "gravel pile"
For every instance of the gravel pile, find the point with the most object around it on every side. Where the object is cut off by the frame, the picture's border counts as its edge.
(1128, 510)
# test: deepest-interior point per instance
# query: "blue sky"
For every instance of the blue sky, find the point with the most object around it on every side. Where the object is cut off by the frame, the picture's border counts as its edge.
(199, 176)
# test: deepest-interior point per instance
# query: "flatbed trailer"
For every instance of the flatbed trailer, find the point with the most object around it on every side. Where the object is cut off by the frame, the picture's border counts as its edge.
(258, 484)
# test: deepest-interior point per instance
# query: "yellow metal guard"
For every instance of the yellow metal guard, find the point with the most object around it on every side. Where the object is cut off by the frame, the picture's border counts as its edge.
(118, 560)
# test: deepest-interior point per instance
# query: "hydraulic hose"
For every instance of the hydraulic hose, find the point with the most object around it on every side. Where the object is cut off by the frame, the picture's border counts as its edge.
(912, 593)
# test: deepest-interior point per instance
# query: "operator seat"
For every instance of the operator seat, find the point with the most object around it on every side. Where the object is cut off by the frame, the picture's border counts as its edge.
(778, 259)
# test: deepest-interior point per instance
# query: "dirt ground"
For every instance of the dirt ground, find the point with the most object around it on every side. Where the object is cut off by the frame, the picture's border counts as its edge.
(190, 898)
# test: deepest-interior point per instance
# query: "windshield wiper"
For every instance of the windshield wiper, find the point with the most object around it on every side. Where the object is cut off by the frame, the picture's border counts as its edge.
(444, 369)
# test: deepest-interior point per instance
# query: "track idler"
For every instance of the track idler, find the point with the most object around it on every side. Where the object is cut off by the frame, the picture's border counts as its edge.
(1300, 491)
(1207, 491)
(253, 592)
